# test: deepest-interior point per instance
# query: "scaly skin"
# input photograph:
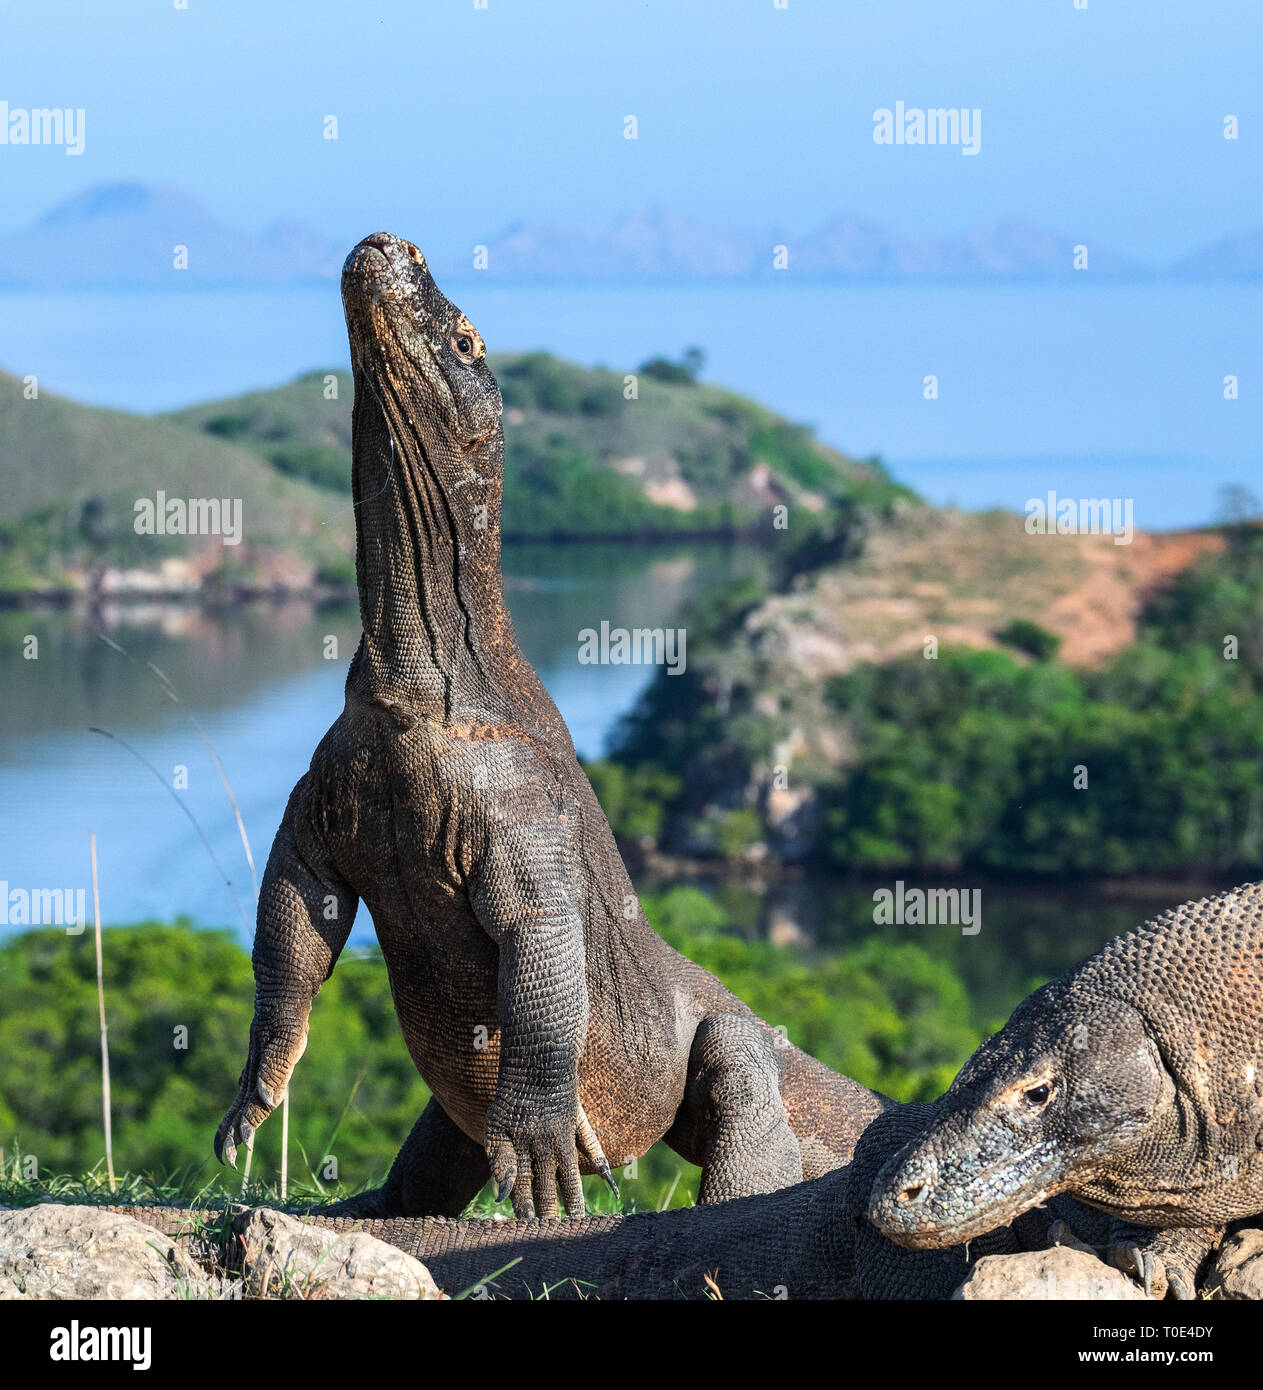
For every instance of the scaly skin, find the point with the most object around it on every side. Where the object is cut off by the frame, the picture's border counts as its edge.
(808, 1241)
(1134, 1082)
(551, 1024)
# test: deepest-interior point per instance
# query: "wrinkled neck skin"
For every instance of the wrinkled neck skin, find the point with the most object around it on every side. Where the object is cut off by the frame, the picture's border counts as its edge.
(427, 558)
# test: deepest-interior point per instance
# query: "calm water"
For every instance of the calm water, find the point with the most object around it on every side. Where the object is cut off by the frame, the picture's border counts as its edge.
(1096, 392)
(255, 679)
(1113, 391)
(257, 682)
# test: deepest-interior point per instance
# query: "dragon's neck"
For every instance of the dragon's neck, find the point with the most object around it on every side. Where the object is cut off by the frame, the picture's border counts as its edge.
(428, 568)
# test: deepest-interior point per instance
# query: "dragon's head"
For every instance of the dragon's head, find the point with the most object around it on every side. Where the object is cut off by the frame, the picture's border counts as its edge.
(1058, 1097)
(421, 360)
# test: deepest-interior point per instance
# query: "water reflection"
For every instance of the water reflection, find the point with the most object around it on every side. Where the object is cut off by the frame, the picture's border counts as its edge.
(264, 680)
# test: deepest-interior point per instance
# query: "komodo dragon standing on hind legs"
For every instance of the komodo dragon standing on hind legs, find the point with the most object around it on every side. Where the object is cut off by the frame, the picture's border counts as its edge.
(1134, 1083)
(552, 1025)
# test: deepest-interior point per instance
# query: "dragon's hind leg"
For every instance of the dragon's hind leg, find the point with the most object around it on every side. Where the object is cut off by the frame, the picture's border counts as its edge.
(438, 1172)
(733, 1120)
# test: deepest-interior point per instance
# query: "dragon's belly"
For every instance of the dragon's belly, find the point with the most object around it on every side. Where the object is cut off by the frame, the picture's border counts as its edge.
(444, 980)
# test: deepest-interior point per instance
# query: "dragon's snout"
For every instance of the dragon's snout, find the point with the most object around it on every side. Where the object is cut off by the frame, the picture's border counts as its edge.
(902, 1197)
(381, 260)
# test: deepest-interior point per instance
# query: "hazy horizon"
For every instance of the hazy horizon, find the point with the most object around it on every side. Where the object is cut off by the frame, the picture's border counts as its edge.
(1105, 125)
(1105, 121)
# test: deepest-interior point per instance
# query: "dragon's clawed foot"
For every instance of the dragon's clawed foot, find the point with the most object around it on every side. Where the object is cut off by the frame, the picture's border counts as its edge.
(275, 1048)
(532, 1155)
(1164, 1262)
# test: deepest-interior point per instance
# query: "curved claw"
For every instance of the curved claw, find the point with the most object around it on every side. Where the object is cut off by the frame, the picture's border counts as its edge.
(603, 1168)
(1177, 1288)
(275, 1050)
(592, 1147)
(1135, 1262)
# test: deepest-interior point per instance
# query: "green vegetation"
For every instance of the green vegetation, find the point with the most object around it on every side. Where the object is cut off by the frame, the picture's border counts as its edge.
(179, 1002)
(550, 491)
(1149, 764)
(74, 473)
(582, 460)
(682, 373)
(633, 797)
(1026, 636)
(885, 1013)
(980, 760)
(302, 429)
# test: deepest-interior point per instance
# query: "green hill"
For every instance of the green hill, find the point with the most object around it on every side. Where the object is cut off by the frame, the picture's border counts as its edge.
(74, 473)
(582, 460)
(956, 699)
(294, 428)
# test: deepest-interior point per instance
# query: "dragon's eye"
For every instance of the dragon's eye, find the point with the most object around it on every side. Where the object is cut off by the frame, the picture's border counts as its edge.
(463, 344)
(1038, 1095)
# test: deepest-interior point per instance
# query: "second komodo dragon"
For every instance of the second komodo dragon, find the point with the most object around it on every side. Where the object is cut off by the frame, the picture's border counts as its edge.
(552, 1025)
(1134, 1082)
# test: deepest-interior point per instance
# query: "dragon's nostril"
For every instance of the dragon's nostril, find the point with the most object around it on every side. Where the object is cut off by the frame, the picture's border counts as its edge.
(909, 1195)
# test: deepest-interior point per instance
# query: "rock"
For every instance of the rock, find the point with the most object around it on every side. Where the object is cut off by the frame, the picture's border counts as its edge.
(56, 1251)
(281, 1257)
(1237, 1272)
(1059, 1273)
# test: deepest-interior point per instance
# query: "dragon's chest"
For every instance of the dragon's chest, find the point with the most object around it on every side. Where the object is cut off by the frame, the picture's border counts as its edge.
(443, 971)
(392, 807)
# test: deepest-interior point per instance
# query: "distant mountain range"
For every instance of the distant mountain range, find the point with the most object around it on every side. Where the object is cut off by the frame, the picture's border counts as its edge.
(126, 235)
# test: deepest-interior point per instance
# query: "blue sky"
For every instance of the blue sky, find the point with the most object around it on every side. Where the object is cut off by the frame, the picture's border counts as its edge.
(1104, 122)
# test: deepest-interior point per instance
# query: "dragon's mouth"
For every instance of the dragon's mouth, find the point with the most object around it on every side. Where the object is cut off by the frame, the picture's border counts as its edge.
(938, 1231)
(918, 1206)
(367, 265)
(379, 241)
(384, 268)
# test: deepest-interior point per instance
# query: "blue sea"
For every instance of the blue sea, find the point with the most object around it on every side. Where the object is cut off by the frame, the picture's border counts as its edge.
(1111, 391)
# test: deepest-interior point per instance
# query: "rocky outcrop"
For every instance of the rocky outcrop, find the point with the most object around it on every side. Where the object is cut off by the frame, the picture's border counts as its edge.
(1237, 1272)
(79, 1252)
(1059, 1273)
(281, 1256)
(61, 1252)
